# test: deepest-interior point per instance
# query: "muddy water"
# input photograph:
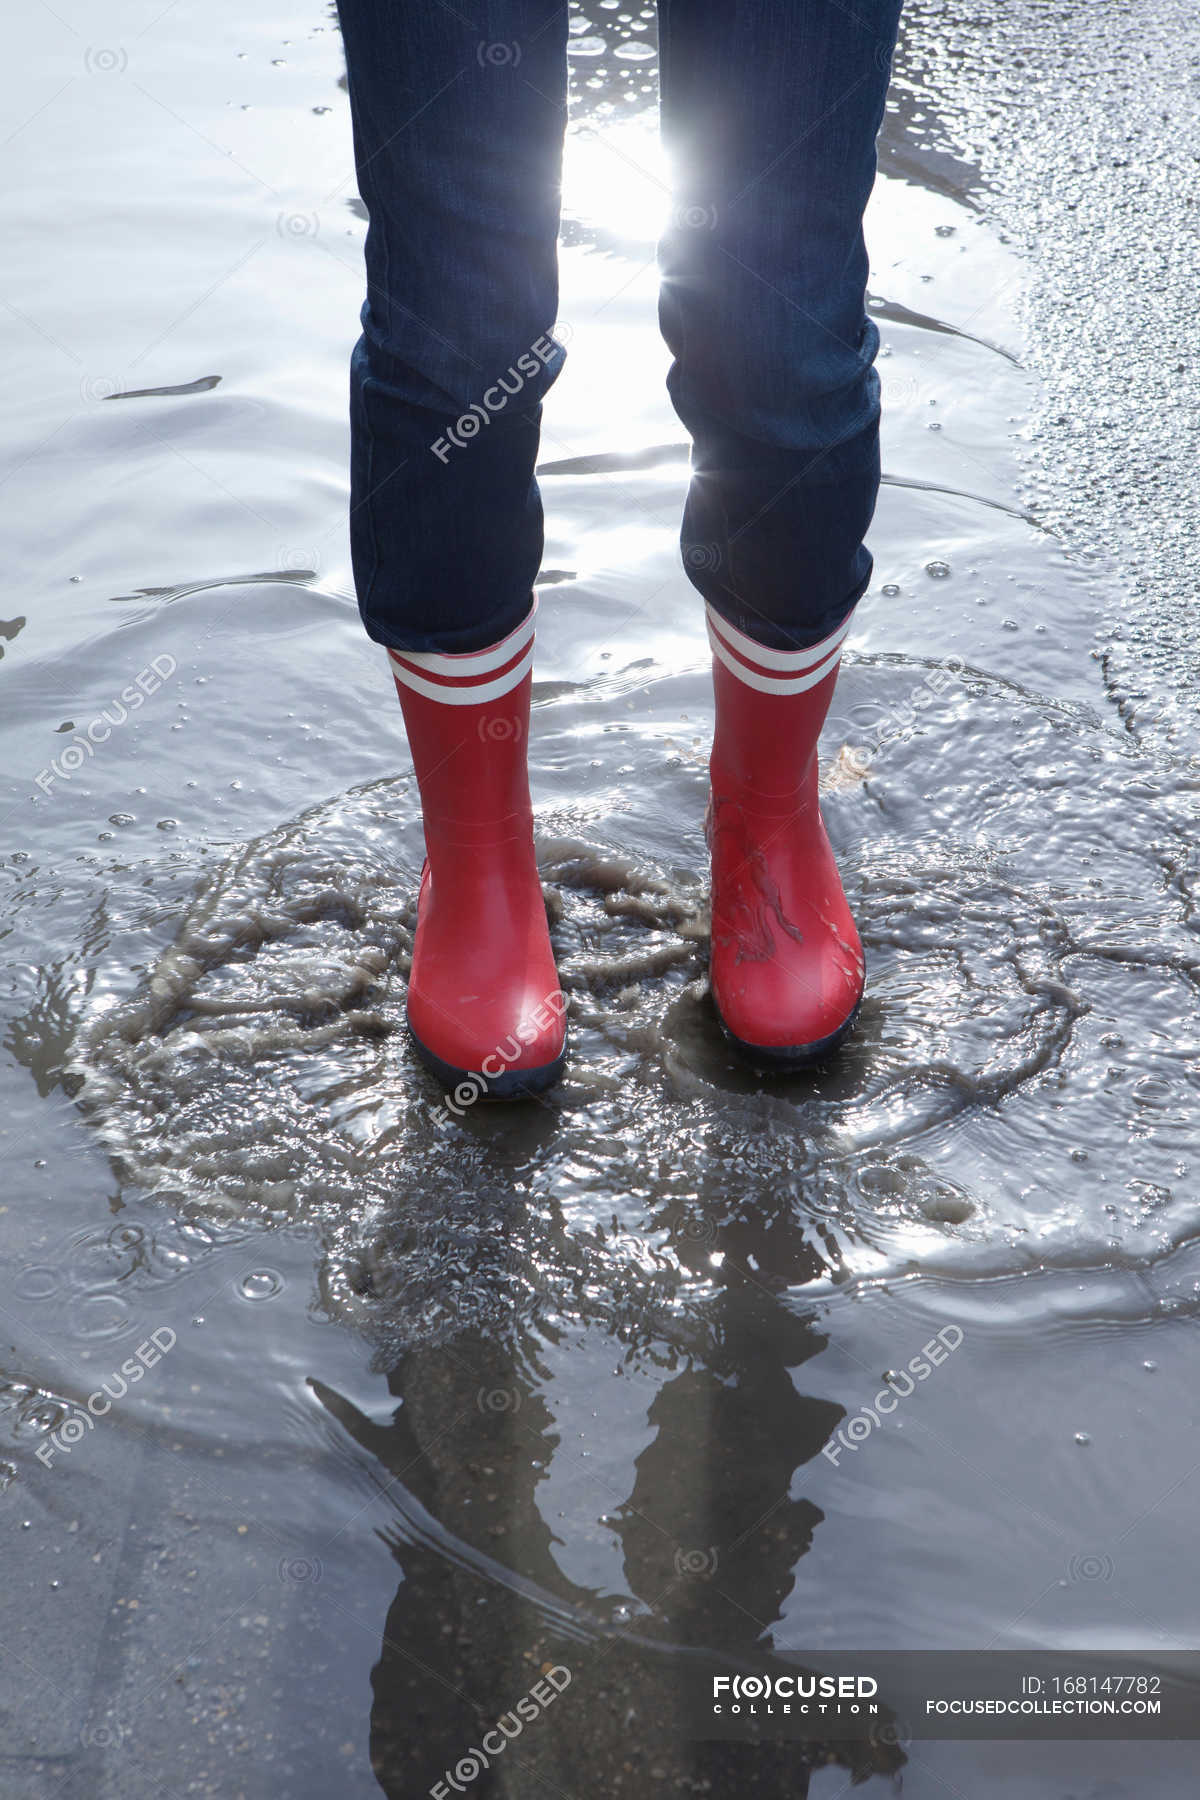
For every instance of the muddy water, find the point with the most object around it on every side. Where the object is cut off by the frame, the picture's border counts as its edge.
(453, 1395)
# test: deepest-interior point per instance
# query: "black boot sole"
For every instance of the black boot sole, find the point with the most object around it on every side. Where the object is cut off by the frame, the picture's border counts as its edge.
(514, 1084)
(786, 1059)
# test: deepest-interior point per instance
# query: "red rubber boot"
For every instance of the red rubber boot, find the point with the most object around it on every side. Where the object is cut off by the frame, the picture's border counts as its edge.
(787, 964)
(485, 1009)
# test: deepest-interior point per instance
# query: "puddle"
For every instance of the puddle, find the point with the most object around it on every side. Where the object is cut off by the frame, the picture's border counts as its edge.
(458, 1395)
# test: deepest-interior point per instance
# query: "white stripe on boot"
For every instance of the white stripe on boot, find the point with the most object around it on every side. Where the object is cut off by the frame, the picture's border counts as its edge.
(773, 671)
(461, 680)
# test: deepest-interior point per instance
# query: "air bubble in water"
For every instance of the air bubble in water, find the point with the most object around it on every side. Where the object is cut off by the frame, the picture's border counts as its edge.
(260, 1284)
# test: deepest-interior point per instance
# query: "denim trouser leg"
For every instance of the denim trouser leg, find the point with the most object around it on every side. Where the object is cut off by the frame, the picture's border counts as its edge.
(770, 113)
(458, 124)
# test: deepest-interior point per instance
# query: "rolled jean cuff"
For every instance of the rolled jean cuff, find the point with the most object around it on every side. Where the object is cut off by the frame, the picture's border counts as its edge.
(789, 583)
(811, 629)
(451, 641)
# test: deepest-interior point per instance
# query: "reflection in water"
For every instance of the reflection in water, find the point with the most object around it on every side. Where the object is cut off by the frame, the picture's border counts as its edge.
(708, 1540)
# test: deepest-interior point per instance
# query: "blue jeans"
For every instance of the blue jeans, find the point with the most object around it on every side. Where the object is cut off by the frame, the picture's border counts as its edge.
(770, 112)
